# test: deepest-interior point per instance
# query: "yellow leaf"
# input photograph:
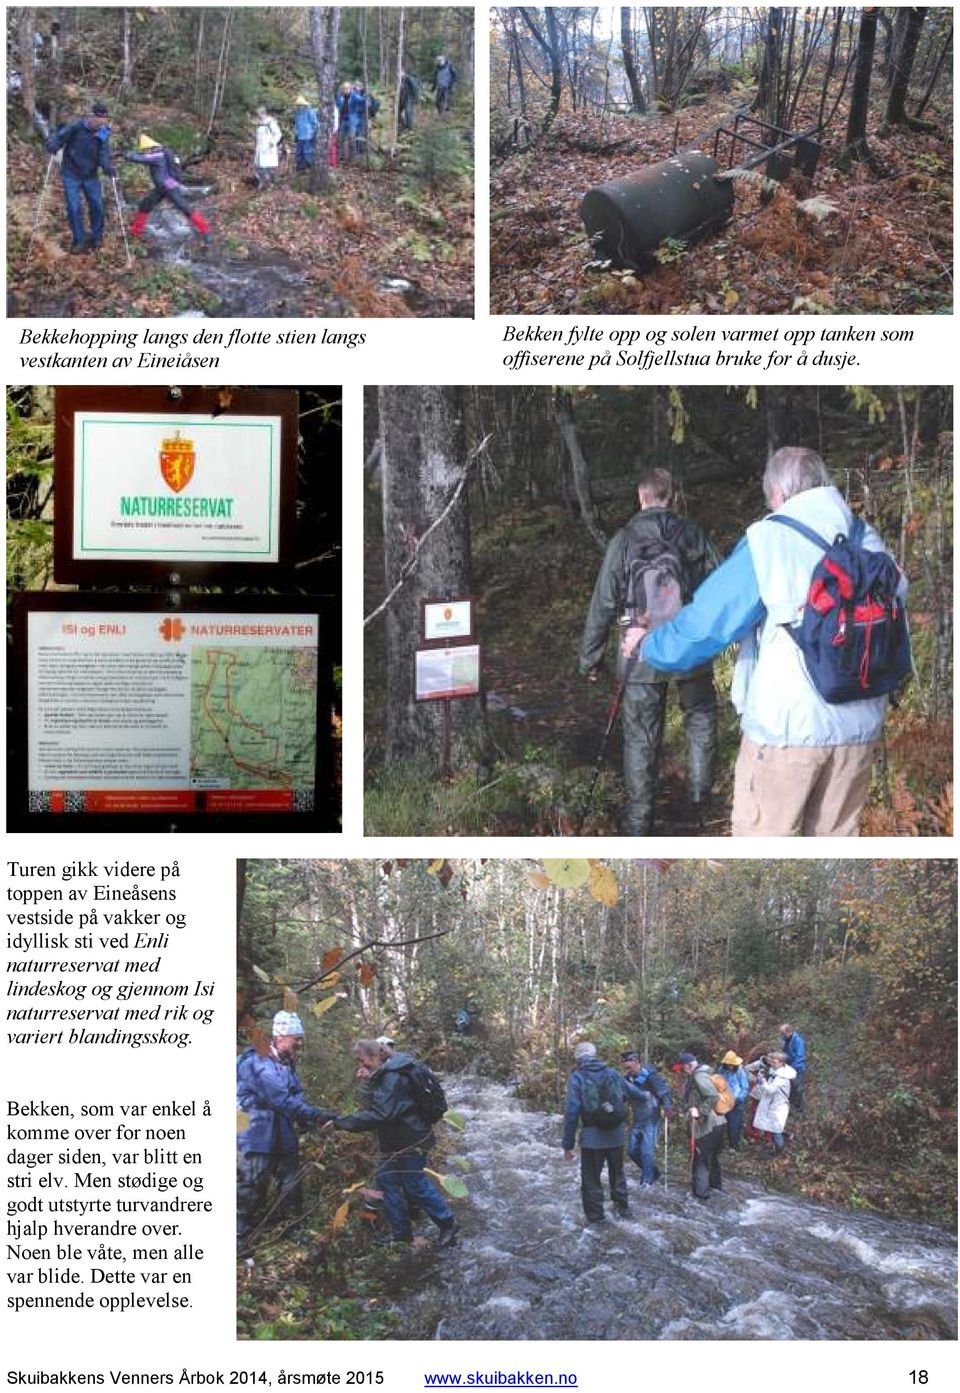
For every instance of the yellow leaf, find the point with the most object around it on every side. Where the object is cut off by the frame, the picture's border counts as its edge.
(324, 1005)
(331, 980)
(290, 999)
(603, 885)
(730, 299)
(340, 1218)
(434, 866)
(538, 880)
(568, 874)
(243, 1121)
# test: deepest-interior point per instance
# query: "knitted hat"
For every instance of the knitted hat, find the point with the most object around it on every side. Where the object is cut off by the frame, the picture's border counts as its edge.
(585, 1051)
(385, 1040)
(686, 1058)
(286, 1023)
(99, 109)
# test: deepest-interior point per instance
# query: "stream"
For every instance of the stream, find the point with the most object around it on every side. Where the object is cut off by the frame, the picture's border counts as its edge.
(747, 1265)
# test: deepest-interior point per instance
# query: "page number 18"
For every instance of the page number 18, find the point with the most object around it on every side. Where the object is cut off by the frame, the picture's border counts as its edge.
(919, 1376)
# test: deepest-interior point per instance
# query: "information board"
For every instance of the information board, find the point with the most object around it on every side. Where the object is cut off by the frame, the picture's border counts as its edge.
(200, 711)
(447, 672)
(147, 483)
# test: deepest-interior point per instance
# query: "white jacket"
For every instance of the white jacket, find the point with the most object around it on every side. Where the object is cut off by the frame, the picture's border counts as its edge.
(774, 1096)
(777, 702)
(267, 155)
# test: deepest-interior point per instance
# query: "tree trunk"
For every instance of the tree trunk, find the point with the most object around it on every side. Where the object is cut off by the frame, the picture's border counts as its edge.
(395, 134)
(935, 74)
(424, 463)
(567, 425)
(25, 27)
(126, 73)
(629, 60)
(856, 145)
(198, 67)
(466, 21)
(904, 54)
(325, 49)
(767, 100)
(549, 45)
(383, 61)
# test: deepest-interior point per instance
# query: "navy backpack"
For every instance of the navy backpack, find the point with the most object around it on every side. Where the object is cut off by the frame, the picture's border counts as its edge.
(853, 631)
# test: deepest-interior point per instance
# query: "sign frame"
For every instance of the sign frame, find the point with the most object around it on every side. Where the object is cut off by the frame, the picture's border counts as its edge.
(325, 815)
(450, 695)
(160, 401)
(448, 641)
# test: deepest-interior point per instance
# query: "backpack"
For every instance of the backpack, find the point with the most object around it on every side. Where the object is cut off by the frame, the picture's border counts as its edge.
(429, 1099)
(853, 630)
(655, 584)
(726, 1102)
(601, 1100)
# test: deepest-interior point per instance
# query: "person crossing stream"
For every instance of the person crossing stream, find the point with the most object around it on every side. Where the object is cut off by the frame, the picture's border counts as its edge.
(751, 1265)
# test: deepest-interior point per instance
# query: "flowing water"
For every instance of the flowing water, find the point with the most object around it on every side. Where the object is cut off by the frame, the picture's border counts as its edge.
(746, 1265)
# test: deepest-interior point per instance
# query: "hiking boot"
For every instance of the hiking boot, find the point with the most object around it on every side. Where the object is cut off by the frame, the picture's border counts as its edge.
(79, 251)
(389, 1240)
(447, 1237)
(623, 1211)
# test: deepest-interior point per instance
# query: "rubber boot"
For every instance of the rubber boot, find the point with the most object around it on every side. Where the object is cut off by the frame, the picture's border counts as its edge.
(138, 224)
(200, 223)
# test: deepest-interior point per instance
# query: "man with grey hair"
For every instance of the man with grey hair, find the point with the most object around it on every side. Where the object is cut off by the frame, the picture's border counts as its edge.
(596, 1100)
(804, 763)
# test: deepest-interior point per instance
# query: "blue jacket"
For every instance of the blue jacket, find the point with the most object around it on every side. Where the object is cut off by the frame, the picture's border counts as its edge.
(444, 76)
(389, 1108)
(796, 1051)
(269, 1091)
(305, 123)
(85, 149)
(591, 1137)
(738, 1079)
(360, 105)
(648, 1093)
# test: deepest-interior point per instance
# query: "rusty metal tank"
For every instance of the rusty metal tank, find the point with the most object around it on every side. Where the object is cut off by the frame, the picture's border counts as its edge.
(627, 219)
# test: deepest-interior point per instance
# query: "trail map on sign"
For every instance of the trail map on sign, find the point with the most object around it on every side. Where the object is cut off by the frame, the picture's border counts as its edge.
(253, 717)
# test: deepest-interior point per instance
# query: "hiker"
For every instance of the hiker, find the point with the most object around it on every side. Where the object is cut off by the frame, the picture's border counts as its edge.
(794, 1047)
(708, 1129)
(650, 1096)
(444, 76)
(85, 143)
(270, 1094)
(165, 172)
(395, 1107)
(361, 106)
(771, 1080)
(407, 105)
(731, 1067)
(652, 567)
(305, 127)
(804, 763)
(596, 1100)
(266, 154)
(342, 104)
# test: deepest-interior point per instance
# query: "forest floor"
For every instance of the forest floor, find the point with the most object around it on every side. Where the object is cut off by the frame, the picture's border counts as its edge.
(534, 572)
(378, 244)
(883, 246)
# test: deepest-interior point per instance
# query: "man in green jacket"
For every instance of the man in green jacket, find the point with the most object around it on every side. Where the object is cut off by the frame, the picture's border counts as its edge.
(652, 566)
(708, 1129)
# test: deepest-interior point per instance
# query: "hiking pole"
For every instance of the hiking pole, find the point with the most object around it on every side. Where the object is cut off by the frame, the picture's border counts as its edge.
(612, 715)
(666, 1151)
(123, 227)
(40, 202)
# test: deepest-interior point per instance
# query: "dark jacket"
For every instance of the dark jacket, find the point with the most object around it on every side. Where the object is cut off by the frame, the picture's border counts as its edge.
(389, 1108)
(85, 149)
(701, 1093)
(648, 1093)
(269, 1091)
(796, 1051)
(698, 556)
(163, 165)
(444, 76)
(591, 1137)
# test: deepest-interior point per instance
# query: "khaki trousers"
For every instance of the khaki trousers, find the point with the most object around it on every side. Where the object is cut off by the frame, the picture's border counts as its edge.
(806, 791)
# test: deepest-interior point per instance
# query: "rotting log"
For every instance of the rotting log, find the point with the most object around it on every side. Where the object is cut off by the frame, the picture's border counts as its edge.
(627, 219)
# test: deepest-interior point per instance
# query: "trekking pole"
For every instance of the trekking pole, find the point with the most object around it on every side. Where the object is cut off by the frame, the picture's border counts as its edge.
(612, 715)
(123, 227)
(666, 1152)
(40, 202)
